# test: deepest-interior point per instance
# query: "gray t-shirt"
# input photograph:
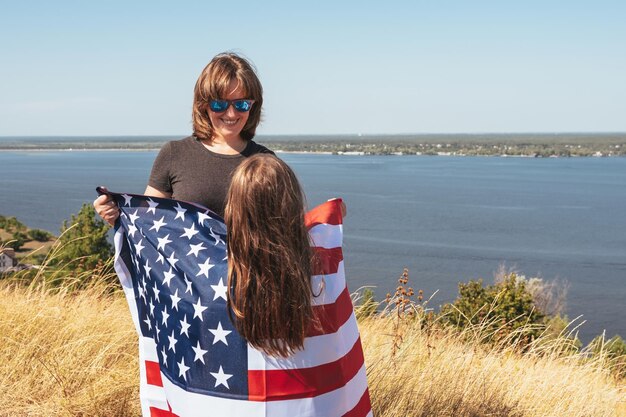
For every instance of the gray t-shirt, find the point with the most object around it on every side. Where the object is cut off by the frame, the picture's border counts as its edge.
(191, 172)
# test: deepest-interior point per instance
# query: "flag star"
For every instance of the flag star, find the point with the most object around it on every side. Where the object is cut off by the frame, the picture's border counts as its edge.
(195, 249)
(189, 232)
(175, 299)
(158, 224)
(139, 247)
(161, 259)
(172, 260)
(184, 326)
(189, 284)
(199, 353)
(151, 308)
(172, 341)
(164, 356)
(163, 241)
(132, 229)
(147, 268)
(168, 275)
(147, 321)
(153, 205)
(180, 212)
(165, 315)
(156, 293)
(141, 292)
(205, 267)
(182, 368)
(220, 334)
(221, 378)
(216, 237)
(133, 217)
(198, 309)
(127, 199)
(220, 290)
(202, 217)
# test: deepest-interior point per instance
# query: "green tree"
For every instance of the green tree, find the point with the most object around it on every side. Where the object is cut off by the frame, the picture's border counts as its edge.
(84, 240)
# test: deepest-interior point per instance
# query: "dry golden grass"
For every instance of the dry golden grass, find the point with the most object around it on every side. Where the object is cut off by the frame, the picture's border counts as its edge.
(446, 373)
(67, 354)
(73, 353)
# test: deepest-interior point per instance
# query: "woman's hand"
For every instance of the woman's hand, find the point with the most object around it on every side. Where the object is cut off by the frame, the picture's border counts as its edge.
(106, 208)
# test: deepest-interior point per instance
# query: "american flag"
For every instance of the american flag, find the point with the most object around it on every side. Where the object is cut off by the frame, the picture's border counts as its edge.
(170, 257)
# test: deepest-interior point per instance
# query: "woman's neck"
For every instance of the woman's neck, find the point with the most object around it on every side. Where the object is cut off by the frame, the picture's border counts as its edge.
(230, 146)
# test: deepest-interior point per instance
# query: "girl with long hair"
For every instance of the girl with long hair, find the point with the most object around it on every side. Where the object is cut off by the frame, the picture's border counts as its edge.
(269, 256)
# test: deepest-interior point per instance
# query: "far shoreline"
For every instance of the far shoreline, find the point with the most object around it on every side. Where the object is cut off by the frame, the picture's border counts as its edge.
(563, 145)
(293, 152)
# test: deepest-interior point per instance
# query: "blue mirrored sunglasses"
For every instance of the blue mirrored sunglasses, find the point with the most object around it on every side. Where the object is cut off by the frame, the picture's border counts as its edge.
(241, 105)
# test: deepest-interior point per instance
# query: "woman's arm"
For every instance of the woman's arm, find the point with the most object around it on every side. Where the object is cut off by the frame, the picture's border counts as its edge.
(153, 192)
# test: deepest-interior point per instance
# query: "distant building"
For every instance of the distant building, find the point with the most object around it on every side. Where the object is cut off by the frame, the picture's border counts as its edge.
(7, 259)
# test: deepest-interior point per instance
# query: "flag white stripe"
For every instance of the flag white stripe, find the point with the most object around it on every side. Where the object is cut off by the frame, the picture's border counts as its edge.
(318, 350)
(326, 235)
(149, 349)
(120, 267)
(150, 395)
(329, 287)
(331, 404)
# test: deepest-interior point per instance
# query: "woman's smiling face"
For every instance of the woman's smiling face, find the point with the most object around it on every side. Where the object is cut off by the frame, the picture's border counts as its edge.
(230, 123)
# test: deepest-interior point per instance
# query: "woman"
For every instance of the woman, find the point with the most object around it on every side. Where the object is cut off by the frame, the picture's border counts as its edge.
(228, 98)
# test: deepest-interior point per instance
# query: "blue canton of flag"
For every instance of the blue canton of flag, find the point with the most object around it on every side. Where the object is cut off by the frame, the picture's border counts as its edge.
(184, 313)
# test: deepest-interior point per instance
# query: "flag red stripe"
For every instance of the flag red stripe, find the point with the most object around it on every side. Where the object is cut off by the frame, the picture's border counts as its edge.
(363, 407)
(330, 317)
(153, 373)
(326, 261)
(286, 384)
(157, 412)
(329, 213)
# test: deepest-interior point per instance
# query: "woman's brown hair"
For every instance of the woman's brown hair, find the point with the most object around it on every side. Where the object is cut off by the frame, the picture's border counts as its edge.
(269, 256)
(213, 84)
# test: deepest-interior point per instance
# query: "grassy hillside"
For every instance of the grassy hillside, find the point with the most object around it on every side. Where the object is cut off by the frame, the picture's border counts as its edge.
(74, 353)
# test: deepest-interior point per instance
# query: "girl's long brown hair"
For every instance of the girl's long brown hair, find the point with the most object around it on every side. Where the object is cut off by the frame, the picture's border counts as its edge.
(269, 256)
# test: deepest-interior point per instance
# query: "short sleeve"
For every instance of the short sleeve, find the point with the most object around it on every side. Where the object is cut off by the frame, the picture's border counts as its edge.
(160, 174)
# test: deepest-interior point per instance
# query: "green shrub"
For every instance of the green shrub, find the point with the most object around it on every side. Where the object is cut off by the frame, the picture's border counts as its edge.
(39, 235)
(17, 240)
(368, 305)
(11, 224)
(500, 309)
(615, 351)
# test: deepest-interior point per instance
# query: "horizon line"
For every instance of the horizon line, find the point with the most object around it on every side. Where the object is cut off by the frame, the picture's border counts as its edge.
(334, 134)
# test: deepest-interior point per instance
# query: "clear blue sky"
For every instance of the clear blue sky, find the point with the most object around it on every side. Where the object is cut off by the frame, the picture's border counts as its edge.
(327, 67)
